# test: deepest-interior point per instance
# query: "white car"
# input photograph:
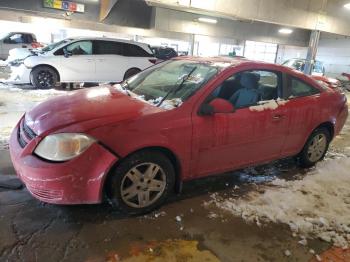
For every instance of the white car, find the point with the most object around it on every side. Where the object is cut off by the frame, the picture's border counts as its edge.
(77, 60)
(17, 40)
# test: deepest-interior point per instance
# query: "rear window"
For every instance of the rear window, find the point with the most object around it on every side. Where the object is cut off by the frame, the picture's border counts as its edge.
(299, 88)
(135, 51)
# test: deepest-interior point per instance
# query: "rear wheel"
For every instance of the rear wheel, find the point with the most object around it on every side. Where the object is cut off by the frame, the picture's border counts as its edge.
(315, 148)
(142, 182)
(131, 72)
(43, 77)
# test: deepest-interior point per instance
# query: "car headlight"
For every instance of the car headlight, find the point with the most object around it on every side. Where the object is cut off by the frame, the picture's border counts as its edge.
(63, 147)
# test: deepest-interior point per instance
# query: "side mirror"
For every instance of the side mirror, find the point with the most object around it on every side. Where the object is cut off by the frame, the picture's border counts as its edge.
(217, 105)
(67, 53)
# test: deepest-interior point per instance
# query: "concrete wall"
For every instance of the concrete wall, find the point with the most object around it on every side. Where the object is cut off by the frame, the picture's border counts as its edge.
(132, 13)
(325, 15)
(178, 21)
(334, 51)
(286, 52)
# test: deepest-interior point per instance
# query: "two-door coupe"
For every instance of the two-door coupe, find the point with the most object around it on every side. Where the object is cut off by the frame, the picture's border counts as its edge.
(182, 119)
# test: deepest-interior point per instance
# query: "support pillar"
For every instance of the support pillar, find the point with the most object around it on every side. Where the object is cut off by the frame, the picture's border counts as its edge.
(312, 51)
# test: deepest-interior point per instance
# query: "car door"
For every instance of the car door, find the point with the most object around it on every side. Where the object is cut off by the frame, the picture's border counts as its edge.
(111, 64)
(78, 62)
(254, 133)
(302, 105)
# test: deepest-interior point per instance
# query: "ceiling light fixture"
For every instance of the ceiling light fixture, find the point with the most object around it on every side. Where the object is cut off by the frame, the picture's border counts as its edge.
(285, 31)
(207, 20)
(347, 6)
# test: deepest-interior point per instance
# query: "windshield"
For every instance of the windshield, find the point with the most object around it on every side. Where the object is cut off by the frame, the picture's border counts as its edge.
(54, 45)
(170, 83)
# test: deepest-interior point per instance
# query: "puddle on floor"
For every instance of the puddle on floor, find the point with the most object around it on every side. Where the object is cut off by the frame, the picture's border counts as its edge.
(169, 250)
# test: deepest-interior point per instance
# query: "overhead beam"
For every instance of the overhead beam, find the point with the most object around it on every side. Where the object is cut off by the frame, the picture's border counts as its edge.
(105, 8)
(305, 14)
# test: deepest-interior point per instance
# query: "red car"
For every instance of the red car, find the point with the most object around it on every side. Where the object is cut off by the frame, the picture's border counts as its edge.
(186, 118)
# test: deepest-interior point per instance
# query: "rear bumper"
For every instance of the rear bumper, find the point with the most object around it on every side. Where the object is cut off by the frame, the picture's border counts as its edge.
(79, 181)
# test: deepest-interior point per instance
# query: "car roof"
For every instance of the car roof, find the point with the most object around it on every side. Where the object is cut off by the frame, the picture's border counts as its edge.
(107, 39)
(224, 61)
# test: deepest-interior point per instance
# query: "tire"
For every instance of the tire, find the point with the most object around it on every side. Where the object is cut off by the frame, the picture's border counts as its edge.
(131, 72)
(43, 77)
(313, 152)
(129, 184)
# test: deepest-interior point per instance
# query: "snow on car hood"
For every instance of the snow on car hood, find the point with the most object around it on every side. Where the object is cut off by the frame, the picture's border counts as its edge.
(18, 54)
(83, 107)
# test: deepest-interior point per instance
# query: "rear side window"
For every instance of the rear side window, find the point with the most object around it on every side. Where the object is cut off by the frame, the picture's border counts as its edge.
(135, 51)
(299, 88)
(108, 48)
(27, 38)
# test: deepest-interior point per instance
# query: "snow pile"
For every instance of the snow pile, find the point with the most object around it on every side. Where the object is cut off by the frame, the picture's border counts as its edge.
(268, 105)
(316, 206)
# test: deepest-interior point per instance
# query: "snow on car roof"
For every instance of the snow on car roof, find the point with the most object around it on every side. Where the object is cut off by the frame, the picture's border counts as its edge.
(220, 61)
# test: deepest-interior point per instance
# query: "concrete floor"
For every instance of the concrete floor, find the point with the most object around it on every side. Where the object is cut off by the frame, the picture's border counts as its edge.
(184, 229)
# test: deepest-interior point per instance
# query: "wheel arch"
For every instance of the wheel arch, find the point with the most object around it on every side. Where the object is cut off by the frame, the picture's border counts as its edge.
(166, 151)
(131, 68)
(329, 126)
(50, 66)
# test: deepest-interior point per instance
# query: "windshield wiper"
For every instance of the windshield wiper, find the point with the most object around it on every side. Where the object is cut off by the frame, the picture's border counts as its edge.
(179, 87)
(125, 83)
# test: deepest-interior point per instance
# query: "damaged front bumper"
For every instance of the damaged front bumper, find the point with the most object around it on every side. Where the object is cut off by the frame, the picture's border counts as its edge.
(79, 181)
(18, 75)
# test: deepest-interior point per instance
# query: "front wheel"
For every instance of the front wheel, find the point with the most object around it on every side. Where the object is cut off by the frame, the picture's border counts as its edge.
(43, 77)
(142, 182)
(315, 148)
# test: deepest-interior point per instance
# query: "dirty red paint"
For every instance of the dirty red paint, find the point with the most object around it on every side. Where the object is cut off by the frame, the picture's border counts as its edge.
(203, 145)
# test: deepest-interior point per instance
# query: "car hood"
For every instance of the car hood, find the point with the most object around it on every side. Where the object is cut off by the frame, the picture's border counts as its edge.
(86, 109)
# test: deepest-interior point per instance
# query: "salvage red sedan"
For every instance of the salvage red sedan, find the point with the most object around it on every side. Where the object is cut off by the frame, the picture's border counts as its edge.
(186, 118)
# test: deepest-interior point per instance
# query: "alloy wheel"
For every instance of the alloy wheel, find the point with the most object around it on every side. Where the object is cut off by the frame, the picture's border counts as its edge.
(317, 147)
(45, 79)
(143, 185)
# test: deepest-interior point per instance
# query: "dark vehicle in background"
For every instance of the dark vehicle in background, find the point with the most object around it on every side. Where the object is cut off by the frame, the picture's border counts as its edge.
(164, 53)
(299, 64)
(17, 40)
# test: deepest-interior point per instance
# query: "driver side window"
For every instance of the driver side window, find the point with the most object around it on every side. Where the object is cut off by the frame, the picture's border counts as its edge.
(248, 88)
(80, 48)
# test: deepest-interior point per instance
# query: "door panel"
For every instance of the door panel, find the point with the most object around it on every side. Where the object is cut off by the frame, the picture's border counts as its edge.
(230, 141)
(254, 134)
(79, 65)
(111, 67)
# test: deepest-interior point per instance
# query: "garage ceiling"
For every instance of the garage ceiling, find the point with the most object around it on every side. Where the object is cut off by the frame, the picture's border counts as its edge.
(325, 15)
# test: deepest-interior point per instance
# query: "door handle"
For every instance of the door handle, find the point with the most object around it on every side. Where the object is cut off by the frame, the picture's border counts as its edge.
(24, 46)
(278, 117)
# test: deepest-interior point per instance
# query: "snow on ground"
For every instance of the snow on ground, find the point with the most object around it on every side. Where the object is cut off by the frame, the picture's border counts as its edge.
(14, 102)
(316, 206)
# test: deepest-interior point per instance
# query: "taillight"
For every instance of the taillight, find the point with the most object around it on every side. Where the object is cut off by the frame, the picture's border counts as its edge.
(153, 61)
(36, 45)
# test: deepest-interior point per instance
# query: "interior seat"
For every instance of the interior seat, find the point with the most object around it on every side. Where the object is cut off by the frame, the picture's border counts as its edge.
(249, 93)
